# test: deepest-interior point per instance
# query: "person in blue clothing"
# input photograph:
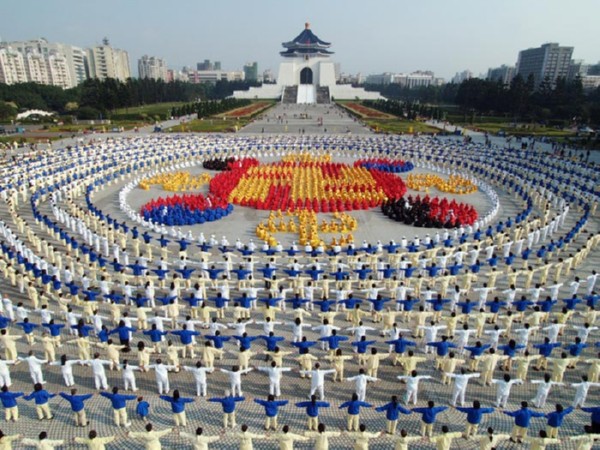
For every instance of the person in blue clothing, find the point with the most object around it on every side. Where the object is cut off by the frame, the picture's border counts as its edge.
(228, 403)
(177, 407)
(187, 339)
(77, 406)
(312, 411)
(428, 416)
(119, 404)
(523, 418)
(474, 416)
(271, 410)
(41, 398)
(142, 409)
(555, 420)
(28, 329)
(271, 340)
(124, 332)
(9, 402)
(594, 427)
(354, 406)
(361, 348)
(156, 337)
(392, 412)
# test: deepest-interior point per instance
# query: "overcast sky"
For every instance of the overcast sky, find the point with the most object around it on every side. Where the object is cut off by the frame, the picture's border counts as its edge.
(367, 36)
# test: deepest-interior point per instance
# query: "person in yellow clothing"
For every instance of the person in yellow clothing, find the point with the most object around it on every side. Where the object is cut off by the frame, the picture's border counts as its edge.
(199, 440)
(286, 439)
(444, 441)
(150, 437)
(404, 440)
(6, 441)
(244, 438)
(321, 437)
(362, 437)
(540, 442)
(42, 442)
(94, 442)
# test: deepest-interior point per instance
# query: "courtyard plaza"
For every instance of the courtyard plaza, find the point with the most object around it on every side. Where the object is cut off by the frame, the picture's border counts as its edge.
(128, 151)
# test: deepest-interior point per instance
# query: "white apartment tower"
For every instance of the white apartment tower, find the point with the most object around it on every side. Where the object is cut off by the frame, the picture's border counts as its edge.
(57, 57)
(12, 66)
(107, 62)
(152, 67)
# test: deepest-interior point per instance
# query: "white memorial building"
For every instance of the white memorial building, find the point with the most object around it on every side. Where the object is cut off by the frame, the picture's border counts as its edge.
(307, 75)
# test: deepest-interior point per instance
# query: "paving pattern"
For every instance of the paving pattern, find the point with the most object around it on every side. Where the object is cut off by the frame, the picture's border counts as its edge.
(255, 385)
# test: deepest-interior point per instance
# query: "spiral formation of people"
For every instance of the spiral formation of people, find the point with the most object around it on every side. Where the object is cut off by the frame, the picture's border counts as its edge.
(214, 291)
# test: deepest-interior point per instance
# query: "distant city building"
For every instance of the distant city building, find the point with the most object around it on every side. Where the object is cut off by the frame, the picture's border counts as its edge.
(462, 76)
(577, 68)
(268, 77)
(152, 67)
(12, 66)
(211, 76)
(504, 73)
(590, 82)
(410, 80)
(548, 61)
(108, 62)
(380, 78)
(594, 69)
(209, 65)
(48, 63)
(251, 71)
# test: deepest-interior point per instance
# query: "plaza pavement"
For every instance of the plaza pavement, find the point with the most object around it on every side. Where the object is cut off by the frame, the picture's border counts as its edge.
(208, 415)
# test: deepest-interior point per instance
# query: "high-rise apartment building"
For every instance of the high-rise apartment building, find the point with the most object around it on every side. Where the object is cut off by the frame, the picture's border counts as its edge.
(251, 71)
(152, 67)
(107, 62)
(504, 73)
(47, 63)
(12, 66)
(548, 61)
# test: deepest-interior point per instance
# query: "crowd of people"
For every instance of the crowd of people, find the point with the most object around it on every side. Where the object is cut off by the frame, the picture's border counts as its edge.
(457, 317)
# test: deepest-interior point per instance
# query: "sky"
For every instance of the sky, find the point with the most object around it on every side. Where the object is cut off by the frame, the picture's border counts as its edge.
(367, 36)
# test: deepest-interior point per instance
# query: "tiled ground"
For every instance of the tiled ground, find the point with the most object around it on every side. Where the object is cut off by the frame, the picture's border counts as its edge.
(208, 415)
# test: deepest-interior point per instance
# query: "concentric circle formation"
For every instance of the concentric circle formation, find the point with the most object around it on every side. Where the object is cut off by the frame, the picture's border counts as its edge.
(77, 238)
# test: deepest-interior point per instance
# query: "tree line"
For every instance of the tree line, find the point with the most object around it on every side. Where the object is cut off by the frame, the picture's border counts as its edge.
(407, 109)
(209, 107)
(557, 103)
(96, 98)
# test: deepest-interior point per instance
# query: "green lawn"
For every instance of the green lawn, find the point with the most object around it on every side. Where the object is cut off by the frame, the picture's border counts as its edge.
(209, 126)
(398, 126)
(126, 124)
(521, 130)
(154, 109)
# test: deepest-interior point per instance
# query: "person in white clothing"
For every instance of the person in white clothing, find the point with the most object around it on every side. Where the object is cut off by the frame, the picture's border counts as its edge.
(98, 371)
(66, 369)
(317, 380)
(235, 379)
(543, 390)
(162, 375)
(460, 385)
(582, 389)
(503, 391)
(361, 381)
(199, 373)
(5, 372)
(35, 367)
(297, 326)
(412, 386)
(275, 374)
(129, 375)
